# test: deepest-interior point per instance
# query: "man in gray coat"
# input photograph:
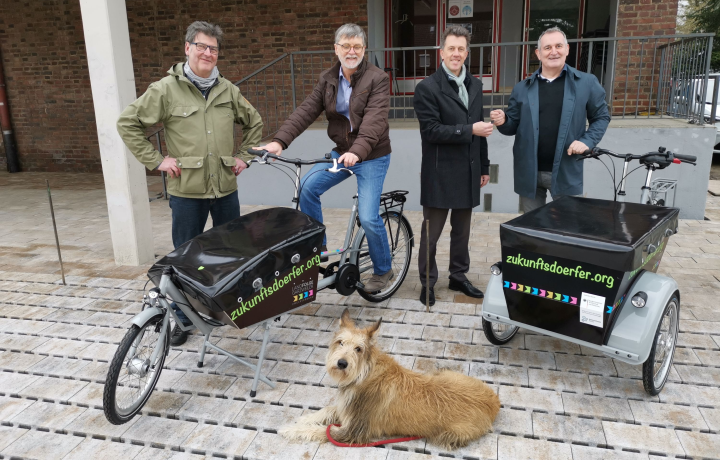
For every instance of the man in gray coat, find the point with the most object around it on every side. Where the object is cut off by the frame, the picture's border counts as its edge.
(547, 113)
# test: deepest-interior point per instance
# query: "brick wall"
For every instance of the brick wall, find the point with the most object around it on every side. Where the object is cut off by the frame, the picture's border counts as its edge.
(634, 84)
(46, 73)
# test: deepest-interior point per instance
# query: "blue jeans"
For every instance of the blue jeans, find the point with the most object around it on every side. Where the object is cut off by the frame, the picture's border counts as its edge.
(370, 177)
(189, 216)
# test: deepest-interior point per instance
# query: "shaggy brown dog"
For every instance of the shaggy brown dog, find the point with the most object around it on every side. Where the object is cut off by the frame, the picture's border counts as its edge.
(378, 398)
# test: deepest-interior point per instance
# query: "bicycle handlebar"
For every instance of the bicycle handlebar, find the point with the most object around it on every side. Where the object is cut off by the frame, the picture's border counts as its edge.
(660, 156)
(296, 161)
(686, 158)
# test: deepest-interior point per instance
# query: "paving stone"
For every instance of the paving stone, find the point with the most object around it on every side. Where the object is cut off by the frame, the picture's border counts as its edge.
(48, 415)
(695, 341)
(446, 334)
(486, 448)
(276, 334)
(220, 440)
(104, 334)
(165, 403)
(17, 342)
(550, 401)
(667, 414)
(499, 374)
(95, 371)
(690, 394)
(270, 446)
(543, 343)
(281, 351)
(529, 358)
(308, 396)
(242, 386)
(561, 427)
(712, 417)
(151, 453)
(93, 422)
(11, 383)
(308, 322)
(424, 318)
(9, 434)
(217, 410)
(708, 357)
(53, 366)
(10, 407)
(200, 382)
(644, 438)
(697, 445)
(513, 448)
(411, 331)
(67, 331)
(62, 347)
(53, 388)
(418, 348)
(595, 406)
(188, 360)
(594, 453)
(432, 365)
(514, 421)
(297, 372)
(93, 448)
(620, 388)
(267, 416)
(42, 445)
(471, 352)
(160, 431)
(314, 338)
(585, 364)
(690, 374)
(12, 360)
(559, 381)
(328, 451)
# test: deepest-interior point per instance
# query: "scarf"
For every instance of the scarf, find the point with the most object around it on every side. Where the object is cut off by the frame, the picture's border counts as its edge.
(202, 83)
(460, 82)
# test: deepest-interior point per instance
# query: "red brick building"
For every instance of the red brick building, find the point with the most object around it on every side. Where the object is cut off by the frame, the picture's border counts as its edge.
(48, 84)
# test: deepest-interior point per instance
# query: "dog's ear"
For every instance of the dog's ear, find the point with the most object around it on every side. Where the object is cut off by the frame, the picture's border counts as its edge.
(372, 329)
(345, 321)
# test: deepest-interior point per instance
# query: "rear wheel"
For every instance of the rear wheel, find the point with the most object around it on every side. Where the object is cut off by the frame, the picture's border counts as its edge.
(656, 368)
(400, 241)
(498, 333)
(133, 373)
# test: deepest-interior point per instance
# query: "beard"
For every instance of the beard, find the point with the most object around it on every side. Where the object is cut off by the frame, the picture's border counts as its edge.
(351, 64)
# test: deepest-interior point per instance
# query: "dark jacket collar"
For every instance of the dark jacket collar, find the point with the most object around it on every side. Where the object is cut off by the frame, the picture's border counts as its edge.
(333, 75)
(569, 69)
(473, 86)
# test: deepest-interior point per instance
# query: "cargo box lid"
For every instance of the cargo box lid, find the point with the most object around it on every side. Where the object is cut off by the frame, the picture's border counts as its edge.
(606, 233)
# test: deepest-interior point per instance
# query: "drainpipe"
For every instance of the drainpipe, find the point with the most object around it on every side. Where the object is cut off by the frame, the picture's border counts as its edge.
(13, 165)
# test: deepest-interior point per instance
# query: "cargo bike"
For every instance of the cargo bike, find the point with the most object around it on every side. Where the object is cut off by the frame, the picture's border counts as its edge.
(244, 273)
(584, 270)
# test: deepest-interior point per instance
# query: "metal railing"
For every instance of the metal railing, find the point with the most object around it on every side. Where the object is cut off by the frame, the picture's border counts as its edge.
(650, 76)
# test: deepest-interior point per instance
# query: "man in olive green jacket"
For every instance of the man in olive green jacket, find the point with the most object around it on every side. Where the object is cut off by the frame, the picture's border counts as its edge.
(198, 109)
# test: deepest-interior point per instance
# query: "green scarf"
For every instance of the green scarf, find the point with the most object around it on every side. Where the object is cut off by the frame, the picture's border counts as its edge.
(460, 82)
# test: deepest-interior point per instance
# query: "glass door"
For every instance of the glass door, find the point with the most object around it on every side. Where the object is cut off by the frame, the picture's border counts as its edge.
(541, 15)
(413, 24)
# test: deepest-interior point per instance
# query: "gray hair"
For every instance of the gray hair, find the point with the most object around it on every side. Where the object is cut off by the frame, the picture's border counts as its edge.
(350, 31)
(549, 31)
(211, 30)
(455, 30)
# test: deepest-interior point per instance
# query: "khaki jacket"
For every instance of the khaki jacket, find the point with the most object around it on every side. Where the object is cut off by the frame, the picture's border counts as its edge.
(369, 137)
(199, 133)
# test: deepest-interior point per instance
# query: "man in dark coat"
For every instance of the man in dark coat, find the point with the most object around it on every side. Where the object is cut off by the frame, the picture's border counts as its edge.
(547, 113)
(455, 161)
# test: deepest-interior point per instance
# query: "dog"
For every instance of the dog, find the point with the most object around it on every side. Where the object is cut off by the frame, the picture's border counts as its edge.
(378, 398)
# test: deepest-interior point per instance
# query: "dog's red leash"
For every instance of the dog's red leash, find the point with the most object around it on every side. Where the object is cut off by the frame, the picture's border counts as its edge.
(371, 444)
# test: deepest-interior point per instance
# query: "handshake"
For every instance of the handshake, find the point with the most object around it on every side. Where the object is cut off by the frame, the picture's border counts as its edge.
(497, 118)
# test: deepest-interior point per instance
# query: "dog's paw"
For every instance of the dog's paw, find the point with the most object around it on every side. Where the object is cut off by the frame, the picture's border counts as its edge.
(300, 432)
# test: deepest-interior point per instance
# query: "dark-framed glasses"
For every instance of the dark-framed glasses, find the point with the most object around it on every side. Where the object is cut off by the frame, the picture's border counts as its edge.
(346, 47)
(201, 47)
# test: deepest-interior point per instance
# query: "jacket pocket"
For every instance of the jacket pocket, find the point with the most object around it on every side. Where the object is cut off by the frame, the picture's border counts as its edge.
(192, 175)
(183, 111)
(228, 180)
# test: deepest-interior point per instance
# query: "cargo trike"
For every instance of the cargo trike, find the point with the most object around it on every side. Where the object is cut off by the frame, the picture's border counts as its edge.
(585, 271)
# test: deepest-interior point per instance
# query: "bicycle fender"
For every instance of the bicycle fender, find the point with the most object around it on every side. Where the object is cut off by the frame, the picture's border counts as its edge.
(635, 328)
(144, 316)
(494, 302)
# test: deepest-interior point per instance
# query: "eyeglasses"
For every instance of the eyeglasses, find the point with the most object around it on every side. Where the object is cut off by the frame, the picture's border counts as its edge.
(201, 47)
(346, 47)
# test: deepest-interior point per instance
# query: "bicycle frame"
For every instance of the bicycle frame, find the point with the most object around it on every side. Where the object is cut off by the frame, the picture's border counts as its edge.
(645, 195)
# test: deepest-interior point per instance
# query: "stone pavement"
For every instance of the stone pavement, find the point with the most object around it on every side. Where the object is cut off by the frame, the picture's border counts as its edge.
(560, 400)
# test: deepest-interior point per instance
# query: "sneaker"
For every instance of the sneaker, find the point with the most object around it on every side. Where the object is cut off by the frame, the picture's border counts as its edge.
(178, 336)
(379, 282)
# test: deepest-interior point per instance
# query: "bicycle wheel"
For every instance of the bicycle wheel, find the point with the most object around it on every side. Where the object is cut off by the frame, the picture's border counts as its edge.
(132, 377)
(498, 333)
(656, 368)
(399, 239)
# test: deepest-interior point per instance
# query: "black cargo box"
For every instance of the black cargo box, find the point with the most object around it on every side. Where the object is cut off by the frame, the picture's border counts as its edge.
(219, 270)
(567, 265)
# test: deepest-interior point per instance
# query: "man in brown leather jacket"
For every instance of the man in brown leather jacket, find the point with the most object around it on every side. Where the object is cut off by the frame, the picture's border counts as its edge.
(355, 96)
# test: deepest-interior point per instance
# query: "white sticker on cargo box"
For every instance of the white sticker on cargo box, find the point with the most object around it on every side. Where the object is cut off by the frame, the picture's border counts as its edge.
(591, 309)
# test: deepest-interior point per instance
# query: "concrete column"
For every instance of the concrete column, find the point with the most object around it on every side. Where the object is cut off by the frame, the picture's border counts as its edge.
(107, 42)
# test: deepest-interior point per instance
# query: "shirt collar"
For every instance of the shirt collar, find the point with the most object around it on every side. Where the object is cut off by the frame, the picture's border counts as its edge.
(342, 76)
(562, 72)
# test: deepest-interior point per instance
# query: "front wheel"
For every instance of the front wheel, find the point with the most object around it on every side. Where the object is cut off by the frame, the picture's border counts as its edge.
(399, 236)
(498, 333)
(656, 368)
(133, 371)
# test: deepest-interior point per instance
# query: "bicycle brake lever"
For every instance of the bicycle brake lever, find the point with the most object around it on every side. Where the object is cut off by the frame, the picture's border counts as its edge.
(335, 168)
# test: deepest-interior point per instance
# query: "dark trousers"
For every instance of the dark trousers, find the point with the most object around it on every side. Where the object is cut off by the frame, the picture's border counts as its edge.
(459, 239)
(189, 216)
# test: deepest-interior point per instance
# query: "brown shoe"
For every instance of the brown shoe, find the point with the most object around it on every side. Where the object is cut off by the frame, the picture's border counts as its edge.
(378, 282)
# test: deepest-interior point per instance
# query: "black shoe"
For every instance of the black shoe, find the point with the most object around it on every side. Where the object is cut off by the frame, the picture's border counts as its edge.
(466, 288)
(178, 336)
(432, 296)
